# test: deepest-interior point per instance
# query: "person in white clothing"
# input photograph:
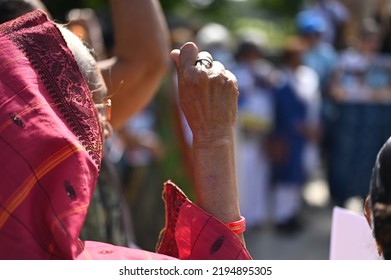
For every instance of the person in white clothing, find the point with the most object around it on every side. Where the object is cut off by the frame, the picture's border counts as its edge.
(293, 146)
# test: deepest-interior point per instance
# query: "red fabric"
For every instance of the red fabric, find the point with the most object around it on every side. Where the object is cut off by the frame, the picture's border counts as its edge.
(50, 143)
(193, 234)
(103, 251)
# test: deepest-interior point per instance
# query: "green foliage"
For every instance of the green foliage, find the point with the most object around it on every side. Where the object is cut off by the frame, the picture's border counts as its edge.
(59, 8)
(274, 32)
(222, 11)
(95, 4)
(284, 8)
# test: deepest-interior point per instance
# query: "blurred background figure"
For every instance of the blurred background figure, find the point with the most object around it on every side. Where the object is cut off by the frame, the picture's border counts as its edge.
(142, 152)
(293, 144)
(256, 78)
(361, 92)
(216, 39)
(335, 16)
(382, 16)
(357, 82)
(320, 56)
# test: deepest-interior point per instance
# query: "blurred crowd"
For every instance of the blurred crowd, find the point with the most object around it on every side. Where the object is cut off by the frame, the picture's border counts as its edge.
(317, 107)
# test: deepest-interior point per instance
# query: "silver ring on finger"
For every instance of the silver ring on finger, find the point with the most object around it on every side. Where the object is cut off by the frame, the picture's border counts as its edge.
(204, 62)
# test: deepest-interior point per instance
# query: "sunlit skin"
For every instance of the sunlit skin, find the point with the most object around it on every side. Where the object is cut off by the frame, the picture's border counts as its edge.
(208, 98)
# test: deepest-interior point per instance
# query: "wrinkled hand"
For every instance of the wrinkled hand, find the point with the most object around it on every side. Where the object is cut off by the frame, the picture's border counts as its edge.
(208, 97)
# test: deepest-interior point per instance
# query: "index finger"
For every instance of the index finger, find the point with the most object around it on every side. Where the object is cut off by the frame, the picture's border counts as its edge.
(175, 57)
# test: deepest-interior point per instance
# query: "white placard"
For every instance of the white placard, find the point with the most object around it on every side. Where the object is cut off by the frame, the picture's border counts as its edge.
(351, 237)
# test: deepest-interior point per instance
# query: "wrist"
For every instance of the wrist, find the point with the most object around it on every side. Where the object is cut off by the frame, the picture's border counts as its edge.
(212, 138)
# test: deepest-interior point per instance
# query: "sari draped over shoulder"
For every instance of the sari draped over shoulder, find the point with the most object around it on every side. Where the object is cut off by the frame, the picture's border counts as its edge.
(51, 151)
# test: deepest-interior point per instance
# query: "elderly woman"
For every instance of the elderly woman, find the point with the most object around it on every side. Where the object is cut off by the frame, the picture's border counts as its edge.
(53, 115)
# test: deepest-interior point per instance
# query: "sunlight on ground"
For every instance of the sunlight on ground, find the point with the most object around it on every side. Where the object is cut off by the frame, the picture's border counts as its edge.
(316, 193)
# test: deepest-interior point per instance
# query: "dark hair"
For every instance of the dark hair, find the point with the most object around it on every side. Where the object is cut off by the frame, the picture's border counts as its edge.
(380, 199)
(245, 48)
(10, 9)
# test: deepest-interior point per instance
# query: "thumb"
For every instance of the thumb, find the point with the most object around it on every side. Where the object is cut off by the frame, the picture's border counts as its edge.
(188, 55)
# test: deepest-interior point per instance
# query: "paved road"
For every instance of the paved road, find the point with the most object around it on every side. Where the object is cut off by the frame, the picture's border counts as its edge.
(312, 243)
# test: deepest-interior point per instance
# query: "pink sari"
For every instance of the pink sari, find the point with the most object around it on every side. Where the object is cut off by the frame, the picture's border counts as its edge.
(51, 149)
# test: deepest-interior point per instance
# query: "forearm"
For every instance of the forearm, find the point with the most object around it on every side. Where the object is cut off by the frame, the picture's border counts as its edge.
(140, 23)
(131, 87)
(215, 176)
(208, 95)
(140, 59)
